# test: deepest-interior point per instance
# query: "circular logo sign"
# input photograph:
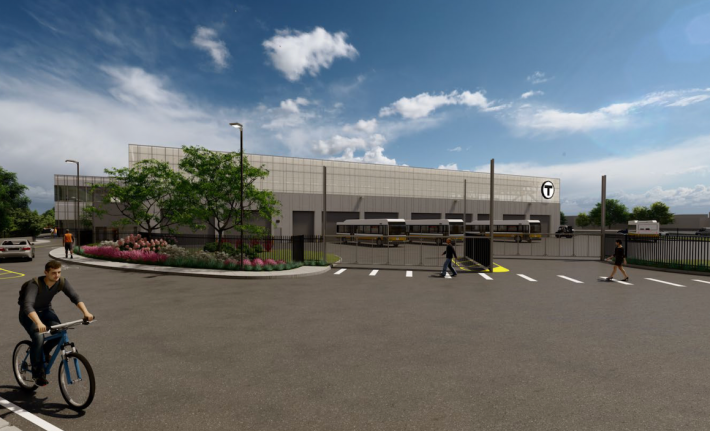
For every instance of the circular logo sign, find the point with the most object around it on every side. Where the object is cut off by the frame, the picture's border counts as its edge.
(548, 190)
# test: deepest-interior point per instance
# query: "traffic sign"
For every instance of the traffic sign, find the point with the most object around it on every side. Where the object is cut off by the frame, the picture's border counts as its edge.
(548, 190)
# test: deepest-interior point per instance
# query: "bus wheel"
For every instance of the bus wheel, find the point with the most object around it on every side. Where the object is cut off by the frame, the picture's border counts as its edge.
(517, 238)
(379, 242)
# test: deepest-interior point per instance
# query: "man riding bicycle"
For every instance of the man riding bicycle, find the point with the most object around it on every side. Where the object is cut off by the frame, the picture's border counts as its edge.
(36, 313)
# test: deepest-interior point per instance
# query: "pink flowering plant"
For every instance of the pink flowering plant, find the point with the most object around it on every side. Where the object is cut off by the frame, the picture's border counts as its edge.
(134, 256)
(137, 243)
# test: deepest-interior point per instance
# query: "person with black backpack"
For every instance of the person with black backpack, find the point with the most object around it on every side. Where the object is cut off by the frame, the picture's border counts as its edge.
(36, 313)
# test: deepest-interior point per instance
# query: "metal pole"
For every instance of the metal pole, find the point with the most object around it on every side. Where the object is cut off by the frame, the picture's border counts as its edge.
(464, 207)
(603, 228)
(78, 229)
(491, 213)
(325, 212)
(241, 197)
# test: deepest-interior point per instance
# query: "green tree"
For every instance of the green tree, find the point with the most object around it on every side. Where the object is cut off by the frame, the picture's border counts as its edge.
(12, 200)
(149, 195)
(214, 187)
(661, 213)
(582, 220)
(616, 212)
(640, 213)
(26, 222)
(48, 219)
(563, 218)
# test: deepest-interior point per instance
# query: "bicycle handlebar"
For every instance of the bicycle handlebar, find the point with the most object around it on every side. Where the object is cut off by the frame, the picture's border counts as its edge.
(55, 328)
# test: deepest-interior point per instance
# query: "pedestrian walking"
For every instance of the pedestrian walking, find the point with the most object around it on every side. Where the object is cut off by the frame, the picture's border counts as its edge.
(450, 253)
(619, 260)
(68, 244)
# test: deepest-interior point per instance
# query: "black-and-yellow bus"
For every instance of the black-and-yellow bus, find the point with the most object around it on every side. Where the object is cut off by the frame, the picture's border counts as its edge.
(518, 230)
(436, 230)
(377, 231)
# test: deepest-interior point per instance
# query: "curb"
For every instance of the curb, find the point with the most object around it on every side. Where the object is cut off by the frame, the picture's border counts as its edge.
(304, 271)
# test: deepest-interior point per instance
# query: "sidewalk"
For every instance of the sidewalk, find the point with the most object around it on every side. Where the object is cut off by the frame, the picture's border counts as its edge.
(304, 271)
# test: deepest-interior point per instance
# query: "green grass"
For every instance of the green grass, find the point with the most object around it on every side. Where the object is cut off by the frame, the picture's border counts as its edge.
(684, 265)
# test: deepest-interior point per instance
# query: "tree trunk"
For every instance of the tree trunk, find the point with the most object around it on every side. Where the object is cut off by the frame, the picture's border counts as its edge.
(219, 240)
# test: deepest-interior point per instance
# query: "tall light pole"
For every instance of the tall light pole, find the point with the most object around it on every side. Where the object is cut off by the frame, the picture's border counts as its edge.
(241, 192)
(78, 231)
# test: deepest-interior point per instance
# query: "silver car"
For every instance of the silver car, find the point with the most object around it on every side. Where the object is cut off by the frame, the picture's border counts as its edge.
(17, 247)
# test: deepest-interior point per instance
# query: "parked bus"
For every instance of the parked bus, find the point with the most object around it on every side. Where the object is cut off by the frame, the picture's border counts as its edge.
(435, 231)
(378, 231)
(519, 230)
(644, 229)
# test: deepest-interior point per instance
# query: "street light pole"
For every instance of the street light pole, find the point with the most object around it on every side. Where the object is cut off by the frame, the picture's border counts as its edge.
(78, 230)
(241, 192)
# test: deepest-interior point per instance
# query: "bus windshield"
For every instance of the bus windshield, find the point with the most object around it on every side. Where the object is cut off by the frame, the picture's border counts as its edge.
(398, 229)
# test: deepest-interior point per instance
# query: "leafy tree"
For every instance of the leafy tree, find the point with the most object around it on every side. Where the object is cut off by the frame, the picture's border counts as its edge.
(48, 219)
(582, 220)
(563, 218)
(149, 195)
(616, 212)
(661, 213)
(640, 213)
(214, 189)
(26, 222)
(12, 200)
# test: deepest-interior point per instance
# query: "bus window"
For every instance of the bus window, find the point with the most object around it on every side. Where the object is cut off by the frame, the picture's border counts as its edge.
(397, 229)
(456, 229)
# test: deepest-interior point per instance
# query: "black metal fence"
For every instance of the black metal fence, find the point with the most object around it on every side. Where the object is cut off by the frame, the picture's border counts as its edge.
(286, 248)
(683, 252)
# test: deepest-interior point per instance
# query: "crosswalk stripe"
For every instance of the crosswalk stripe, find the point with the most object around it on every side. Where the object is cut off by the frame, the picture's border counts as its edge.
(485, 276)
(526, 277)
(409, 273)
(616, 281)
(374, 272)
(702, 281)
(340, 271)
(571, 279)
(665, 282)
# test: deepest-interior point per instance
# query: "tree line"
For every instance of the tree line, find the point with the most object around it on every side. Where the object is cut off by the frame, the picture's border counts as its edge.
(618, 213)
(16, 217)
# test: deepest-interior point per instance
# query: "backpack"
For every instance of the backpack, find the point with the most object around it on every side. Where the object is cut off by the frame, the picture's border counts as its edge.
(23, 289)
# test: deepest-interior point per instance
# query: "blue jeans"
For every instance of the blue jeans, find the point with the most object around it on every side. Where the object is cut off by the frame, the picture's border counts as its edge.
(447, 265)
(49, 318)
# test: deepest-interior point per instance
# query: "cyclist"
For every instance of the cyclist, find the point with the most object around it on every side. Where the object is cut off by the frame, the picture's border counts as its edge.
(36, 314)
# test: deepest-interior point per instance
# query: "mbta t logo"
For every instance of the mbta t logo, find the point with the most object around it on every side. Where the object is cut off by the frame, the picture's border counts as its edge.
(548, 190)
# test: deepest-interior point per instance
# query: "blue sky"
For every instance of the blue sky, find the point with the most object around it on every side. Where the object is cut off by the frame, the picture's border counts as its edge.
(566, 89)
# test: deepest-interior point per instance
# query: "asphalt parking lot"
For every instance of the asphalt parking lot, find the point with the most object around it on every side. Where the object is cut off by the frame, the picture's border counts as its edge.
(381, 352)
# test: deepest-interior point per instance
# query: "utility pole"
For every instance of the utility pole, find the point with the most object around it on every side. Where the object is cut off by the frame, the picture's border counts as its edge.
(603, 232)
(490, 229)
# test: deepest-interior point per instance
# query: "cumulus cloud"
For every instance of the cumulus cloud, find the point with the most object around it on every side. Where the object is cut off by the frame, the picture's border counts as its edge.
(338, 144)
(292, 105)
(449, 167)
(455, 149)
(538, 78)
(374, 155)
(367, 126)
(423, 104)
(531, 93)
(294, 53)
(206, 39)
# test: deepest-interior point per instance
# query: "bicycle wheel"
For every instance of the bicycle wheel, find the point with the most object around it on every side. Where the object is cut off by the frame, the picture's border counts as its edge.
(21, 366)
(76, 382)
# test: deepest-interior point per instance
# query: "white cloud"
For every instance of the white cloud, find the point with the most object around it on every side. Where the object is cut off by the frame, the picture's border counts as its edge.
(531, 93)
(538, 78)
(455, 149)
(294, 53)
(207, 40)
(291, 105)
(449, 167)
(338, 144)
(690, 100)
(375, 155)
(423, 104)
(367, 126)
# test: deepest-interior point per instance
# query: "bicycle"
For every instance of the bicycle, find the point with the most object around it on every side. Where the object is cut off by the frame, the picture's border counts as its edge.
(78, 391)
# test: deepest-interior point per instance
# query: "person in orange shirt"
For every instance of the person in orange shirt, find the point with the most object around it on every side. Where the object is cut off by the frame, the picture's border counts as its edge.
(68, 244)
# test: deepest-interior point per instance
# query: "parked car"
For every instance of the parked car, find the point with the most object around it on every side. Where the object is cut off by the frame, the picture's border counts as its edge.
(564, 232)
(624, 231)
(703, 231)
(47, 230)
(17, 247)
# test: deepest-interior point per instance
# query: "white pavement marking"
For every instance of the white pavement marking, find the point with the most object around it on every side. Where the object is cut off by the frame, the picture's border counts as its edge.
(374, 272)
(702, 281)
(617, 281)
(27, 415)
(485, 276)
(571, 279)
(409, 273)
(340, 271)
(665, 282)
(526, 277)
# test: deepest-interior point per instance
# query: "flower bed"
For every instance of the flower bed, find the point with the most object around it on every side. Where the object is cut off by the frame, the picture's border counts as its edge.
(134, 249)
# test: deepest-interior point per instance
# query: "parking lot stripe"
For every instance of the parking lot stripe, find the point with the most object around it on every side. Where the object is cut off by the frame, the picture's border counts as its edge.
(484, 276)
(702, 281)
(374, 272)
(409, 273)
(340, 271)
(526, 277)
(27, 415)
(571, 279)
(665, 282)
